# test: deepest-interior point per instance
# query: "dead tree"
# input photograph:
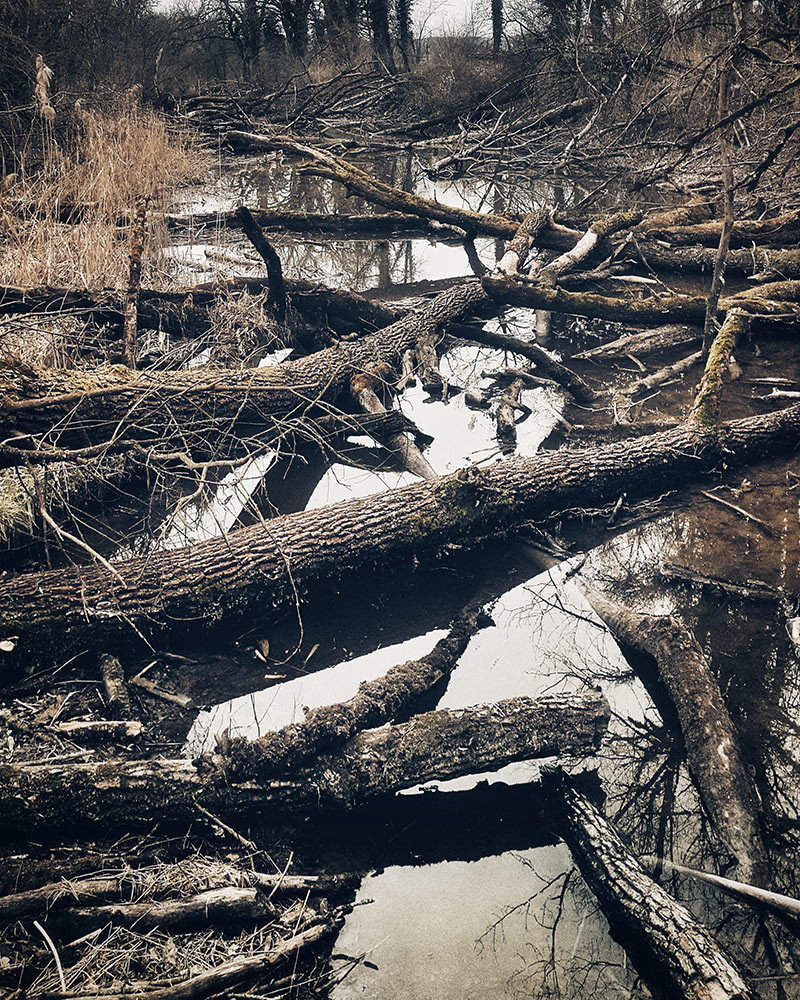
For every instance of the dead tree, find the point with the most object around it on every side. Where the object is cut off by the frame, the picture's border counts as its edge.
(168, 596)
(674, 954)
(437, 745)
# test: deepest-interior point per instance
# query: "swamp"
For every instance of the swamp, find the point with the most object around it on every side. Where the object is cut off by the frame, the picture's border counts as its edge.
(399, 500)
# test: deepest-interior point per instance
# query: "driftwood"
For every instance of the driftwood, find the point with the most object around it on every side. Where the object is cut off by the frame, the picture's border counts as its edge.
(713, 753)
(675, 955)
(173, 594)
(435, 746)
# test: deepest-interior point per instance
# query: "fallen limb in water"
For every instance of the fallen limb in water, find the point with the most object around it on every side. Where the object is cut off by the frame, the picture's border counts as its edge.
(713, 753)
(434, 746)
(674, 954)
(773, 303)
(752, 894)
(376, 702)
(169, 595)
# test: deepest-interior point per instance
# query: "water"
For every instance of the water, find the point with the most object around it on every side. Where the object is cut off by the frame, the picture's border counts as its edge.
(514, 919)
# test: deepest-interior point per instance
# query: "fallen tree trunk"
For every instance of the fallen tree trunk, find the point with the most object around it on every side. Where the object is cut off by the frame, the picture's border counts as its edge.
(356, 226)
(185, 313)
(204, 410)
(781, 230)
(435, 746)
(675, 955)
(134, 885)
(713, 753)
(173, 594)
(327, 727)
(771, 303)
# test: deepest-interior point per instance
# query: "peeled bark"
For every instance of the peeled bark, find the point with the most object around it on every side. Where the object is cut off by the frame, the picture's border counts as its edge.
(435, 746)
(167, 596)
(674, 954)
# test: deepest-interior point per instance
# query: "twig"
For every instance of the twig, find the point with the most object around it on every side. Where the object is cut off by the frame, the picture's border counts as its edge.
(49, 942)
(228, 829)
(741, 512)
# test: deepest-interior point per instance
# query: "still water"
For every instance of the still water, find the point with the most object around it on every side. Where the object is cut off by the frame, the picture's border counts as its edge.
(519, 922)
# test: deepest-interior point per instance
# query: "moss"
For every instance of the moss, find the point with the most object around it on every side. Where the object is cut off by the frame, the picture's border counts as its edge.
(464, 499)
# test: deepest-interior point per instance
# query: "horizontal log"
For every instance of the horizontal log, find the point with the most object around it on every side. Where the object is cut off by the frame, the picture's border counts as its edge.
(357, 226)
(779, 231)
(206, 410)
(173, 595)
(778, 299)
(434, 746)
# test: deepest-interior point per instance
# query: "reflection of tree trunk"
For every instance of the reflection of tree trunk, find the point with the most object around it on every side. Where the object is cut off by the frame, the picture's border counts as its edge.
(675, 955)
(436, 745)
(179, 592)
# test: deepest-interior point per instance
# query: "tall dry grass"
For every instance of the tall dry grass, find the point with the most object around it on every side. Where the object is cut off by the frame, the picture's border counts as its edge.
(66, 222)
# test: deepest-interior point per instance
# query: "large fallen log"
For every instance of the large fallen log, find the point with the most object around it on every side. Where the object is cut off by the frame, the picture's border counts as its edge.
(185, 312)
(173, 595)
(772, 303)
(674, 954)
(437, 745)
(327, 727)
(713, 752)
(781, 230)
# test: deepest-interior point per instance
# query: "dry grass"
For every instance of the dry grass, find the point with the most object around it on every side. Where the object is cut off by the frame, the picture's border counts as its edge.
(116, 159)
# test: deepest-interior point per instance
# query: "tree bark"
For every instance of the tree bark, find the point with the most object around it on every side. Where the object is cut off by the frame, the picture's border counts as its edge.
(675, 955)
(377, 702)
(204, 410)
(705, 411)
(174, 594)
(779, 299)
(713, 751)
(435, 746)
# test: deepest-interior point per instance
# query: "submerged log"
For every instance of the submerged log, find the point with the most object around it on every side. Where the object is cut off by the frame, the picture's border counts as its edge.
(713, 752)
(662, 338)
(170, 595)
(434, 746)
(674, 954)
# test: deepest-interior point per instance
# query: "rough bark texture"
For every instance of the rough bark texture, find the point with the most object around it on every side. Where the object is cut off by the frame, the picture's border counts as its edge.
(648, 342)
(435, 746)
(775, 299)
(214, 907)
(712, 745)
(178, 592)
(675, 955)
(376, 702)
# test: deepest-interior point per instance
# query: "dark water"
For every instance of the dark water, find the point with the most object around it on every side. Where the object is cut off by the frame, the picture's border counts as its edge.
(512, 917)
